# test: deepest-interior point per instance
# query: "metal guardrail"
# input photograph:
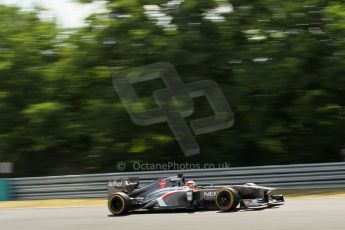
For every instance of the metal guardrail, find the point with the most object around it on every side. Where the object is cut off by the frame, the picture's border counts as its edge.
(301, 176)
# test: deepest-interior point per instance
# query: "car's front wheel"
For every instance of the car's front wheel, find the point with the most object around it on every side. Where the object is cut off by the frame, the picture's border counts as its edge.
(227, 199)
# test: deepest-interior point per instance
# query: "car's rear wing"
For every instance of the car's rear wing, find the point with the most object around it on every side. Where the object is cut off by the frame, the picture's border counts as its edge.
(126, 185)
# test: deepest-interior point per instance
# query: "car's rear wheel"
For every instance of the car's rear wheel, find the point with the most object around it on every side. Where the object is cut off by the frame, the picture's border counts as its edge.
(119, 204)
(227, 199)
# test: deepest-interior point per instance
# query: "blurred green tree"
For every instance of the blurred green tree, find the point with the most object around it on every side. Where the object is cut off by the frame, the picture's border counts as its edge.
(280, 64)
(27, 49)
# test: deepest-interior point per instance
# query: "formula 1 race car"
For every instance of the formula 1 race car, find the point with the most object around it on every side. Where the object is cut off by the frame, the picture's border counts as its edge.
(176, 193)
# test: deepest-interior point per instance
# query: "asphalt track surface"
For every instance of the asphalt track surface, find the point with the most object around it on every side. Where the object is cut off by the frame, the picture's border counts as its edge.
(323, 214)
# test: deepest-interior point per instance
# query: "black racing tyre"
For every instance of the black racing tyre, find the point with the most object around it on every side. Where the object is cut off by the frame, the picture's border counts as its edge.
(119, 204)
(227, 199)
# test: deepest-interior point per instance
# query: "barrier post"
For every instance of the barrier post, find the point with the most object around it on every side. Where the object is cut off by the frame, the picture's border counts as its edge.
(5, 189)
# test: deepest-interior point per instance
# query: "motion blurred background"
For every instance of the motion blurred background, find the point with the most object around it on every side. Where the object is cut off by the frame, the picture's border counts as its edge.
(279, 63)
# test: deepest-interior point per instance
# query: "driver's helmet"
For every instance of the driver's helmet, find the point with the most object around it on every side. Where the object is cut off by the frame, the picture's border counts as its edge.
(191, 184)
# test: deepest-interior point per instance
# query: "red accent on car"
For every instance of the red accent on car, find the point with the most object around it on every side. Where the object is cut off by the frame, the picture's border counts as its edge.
(162, 183)
(166, 196)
